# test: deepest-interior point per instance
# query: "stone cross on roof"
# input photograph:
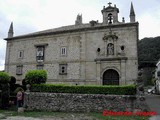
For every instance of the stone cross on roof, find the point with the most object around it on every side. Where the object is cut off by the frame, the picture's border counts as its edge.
(109, 3)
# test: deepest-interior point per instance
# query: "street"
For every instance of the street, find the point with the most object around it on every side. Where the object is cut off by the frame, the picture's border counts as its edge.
(153, 102)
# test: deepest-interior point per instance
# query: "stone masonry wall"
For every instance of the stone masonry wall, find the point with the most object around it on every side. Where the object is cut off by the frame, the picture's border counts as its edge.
(67, 102)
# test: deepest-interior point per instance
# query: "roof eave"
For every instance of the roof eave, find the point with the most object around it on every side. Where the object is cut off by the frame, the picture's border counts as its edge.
(73, 30)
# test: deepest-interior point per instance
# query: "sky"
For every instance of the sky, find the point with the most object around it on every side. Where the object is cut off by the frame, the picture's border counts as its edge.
(36, 15)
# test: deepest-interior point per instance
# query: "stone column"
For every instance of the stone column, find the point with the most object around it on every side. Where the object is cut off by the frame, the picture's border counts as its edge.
(83, 57)
(123, 72)
(105, 48)
(98, 72)
(115, 48)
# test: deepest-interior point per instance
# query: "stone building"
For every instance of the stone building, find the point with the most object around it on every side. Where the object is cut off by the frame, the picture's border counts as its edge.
(157, 78)
(84, 53)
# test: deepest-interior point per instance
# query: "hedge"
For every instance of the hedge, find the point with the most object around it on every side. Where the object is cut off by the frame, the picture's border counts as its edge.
(4, 77)
(117, 90)
(36, 76)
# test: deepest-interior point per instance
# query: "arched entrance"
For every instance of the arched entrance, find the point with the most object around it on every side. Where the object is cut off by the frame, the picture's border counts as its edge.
(110, 77)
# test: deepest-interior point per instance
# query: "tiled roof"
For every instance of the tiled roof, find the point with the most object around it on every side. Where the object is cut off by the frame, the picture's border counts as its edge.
(71, 28)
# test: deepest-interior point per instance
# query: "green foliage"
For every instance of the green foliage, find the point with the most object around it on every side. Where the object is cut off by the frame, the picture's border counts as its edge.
(149, 82)
(12, 80)
(18, 89)
(4, 77)
(24, 82)
(4, 86)
(148, 51)
(117, 90)
(36, 76)
(62, 115)
(100, 116)
(12, 84)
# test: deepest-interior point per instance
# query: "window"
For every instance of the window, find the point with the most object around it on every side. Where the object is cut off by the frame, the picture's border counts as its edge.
(19, 70)
(39, 67)
(122, 48)
(63, 51)
(40, 53)
(20, 54)
(63, 69)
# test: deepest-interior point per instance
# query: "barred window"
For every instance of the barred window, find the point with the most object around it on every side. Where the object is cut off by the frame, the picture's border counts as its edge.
(40, 53)
(39, 67)
(62, 69)
(63, 51)
(20, 54)
(19, 70)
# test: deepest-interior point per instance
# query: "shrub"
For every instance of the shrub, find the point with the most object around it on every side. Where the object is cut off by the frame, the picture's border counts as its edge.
(24, 82)
(4, 86)
(36, 77)
(4, 77)
(12, 80)
(12, 84)
(117, 90)
(18, 89)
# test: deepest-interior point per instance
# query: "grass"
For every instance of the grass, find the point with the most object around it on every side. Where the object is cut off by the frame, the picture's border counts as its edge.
(101, 117)
(35, 114)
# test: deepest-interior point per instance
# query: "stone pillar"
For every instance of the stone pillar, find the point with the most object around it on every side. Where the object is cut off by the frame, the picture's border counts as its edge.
(123, 72)
(98, 72)
(105, 18)
(105, 47)
(115, 47)
(83, 57)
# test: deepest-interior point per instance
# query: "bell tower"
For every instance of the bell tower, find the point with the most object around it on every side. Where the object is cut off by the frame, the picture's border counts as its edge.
(110, 14)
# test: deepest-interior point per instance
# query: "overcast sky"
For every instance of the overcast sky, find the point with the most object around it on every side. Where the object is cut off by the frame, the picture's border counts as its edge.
(36, 15)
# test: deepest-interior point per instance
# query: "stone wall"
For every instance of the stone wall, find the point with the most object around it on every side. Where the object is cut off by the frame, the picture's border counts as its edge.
(67, 102)
(83, 68)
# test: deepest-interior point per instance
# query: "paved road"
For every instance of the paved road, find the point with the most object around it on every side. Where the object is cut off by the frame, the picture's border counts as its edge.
(153, 102)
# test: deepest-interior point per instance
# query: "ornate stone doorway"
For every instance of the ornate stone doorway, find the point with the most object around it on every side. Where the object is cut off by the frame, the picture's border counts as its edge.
(110, 77)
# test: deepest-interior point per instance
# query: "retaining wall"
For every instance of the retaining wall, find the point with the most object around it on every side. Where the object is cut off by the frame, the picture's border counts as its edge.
(67, 102)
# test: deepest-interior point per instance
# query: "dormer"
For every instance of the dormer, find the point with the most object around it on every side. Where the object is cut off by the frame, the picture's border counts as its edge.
(110, 14)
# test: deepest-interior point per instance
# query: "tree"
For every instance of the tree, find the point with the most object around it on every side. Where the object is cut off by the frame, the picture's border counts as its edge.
(148, 52)
(36, 77)
(4, 87)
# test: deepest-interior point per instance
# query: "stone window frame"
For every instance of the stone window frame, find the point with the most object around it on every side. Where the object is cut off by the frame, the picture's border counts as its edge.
(63, 51)
(40, 53)
(40, 58)
(62, 69)
(20, 54)
(40, 67)
(19, 69)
